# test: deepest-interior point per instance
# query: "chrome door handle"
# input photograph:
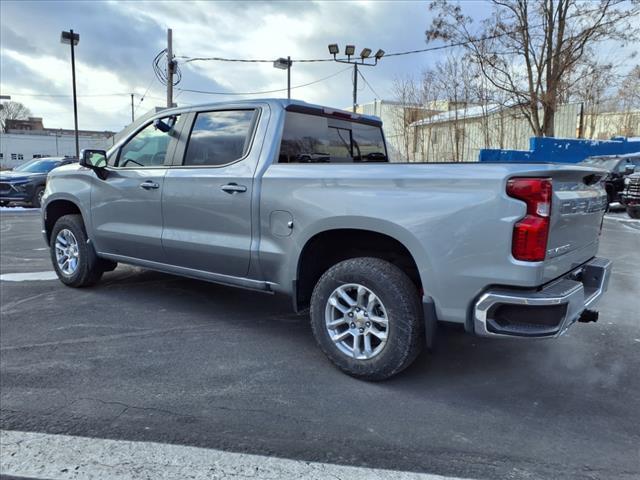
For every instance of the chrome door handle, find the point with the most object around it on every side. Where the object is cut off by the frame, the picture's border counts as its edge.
(233, 188)
(149, 185)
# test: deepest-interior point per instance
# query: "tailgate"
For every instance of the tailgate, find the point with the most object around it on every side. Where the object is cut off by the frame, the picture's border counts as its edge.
(577, 207)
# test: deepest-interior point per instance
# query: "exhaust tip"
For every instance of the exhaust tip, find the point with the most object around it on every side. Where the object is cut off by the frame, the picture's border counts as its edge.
(589, 316)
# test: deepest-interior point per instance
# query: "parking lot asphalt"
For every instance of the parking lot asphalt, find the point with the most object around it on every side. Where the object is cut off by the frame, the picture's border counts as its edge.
(153, 357)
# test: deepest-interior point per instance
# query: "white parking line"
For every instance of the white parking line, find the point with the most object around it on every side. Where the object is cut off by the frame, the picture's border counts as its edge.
(61, 457)
(619, 218)
(28, 277)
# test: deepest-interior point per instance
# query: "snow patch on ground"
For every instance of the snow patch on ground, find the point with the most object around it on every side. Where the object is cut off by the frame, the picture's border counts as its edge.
(621, 217)
(28, 277)
(19, 210)
(41, 455)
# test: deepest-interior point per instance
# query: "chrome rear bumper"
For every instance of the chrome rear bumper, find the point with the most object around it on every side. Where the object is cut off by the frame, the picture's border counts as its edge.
(545, 312)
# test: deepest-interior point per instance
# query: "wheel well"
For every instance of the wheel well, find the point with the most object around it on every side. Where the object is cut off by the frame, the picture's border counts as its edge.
(326, 249)
(55, 210)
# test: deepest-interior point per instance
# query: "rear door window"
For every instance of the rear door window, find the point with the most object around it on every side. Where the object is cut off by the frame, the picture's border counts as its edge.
(219, 138)
(319, 139)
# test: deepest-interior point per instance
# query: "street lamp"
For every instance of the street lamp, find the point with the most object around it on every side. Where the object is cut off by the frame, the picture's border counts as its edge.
(72, 39)
(350, 51)
(285, 64)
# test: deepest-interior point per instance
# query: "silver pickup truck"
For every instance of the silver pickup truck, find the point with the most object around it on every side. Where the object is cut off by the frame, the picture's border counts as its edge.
(292, 198)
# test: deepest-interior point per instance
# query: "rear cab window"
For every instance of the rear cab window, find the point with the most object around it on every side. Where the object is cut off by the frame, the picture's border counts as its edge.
(317, 138)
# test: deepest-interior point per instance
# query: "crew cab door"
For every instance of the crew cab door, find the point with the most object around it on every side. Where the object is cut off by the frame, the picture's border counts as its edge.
(207, 194)
(126, 206)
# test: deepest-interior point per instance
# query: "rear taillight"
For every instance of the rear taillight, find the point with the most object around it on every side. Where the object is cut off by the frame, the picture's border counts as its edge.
(531, 233)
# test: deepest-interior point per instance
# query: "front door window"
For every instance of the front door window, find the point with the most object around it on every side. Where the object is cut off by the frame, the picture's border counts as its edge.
(148, 148)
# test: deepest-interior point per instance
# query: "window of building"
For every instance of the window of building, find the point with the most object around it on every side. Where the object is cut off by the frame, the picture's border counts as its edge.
(20, 156)
(318, 139)
(14, 156)
(1, 156)
(219, 138)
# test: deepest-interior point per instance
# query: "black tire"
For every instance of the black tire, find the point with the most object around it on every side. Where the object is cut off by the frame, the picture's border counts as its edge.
(107, 265)
(633, 212)
(405, 332)
(89, 270)
(36, 201)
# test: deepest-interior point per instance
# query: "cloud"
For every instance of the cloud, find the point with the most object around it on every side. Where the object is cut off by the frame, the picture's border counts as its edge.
(118, 41)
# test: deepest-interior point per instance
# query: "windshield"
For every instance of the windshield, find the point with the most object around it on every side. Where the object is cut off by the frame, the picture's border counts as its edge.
(606, 163)
(38, 166)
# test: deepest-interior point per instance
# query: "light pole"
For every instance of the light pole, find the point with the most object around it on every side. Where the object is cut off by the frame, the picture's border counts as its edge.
(285, 64)
(72, 39)
(349, 51)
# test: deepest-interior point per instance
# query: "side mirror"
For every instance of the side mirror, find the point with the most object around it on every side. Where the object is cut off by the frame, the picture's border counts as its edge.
(629, 169)
(93, 159)
(96, 160)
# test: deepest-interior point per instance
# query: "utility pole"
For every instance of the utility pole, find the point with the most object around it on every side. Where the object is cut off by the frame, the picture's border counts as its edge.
(355, 86)
(169, 68)
(132, 117)
(288, 78)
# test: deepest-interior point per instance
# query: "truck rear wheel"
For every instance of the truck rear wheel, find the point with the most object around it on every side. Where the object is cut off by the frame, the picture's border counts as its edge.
(366, 317)
(73, 258)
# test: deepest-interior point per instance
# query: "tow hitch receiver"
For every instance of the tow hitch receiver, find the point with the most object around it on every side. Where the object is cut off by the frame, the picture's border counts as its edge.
(588, 316)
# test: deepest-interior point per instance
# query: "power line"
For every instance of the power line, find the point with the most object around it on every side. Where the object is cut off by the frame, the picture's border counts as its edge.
(313, 60)
(369, 85)
(66, 95)
(265, 91)
(393, 54)
(144, 95)
(161, 72)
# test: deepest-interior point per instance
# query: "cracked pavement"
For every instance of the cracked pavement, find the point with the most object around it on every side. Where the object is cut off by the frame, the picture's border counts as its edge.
(153, 357)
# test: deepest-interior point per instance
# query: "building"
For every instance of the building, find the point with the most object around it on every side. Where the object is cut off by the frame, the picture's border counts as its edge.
(606, 125)
(24, 140)
(458, 135)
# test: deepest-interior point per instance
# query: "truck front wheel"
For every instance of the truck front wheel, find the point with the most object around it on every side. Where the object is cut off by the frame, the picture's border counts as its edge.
(366, 317)
(73, 257)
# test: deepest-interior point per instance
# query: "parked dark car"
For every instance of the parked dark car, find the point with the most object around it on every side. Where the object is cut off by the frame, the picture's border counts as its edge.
(24, 185)
(619, 167)
(631, 195)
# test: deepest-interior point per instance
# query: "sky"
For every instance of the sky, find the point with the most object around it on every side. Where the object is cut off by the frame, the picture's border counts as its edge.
(118, 41)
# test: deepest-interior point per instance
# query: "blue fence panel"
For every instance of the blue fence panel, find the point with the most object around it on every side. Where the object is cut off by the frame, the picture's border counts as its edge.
(561, 150)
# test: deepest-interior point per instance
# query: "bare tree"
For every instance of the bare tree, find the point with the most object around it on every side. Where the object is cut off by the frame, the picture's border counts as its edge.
(629, 97)
(590, 88)
(629, 91)
(13, 111)
(430, 95)
(526, 48)
(455, 81)
(408, 95)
